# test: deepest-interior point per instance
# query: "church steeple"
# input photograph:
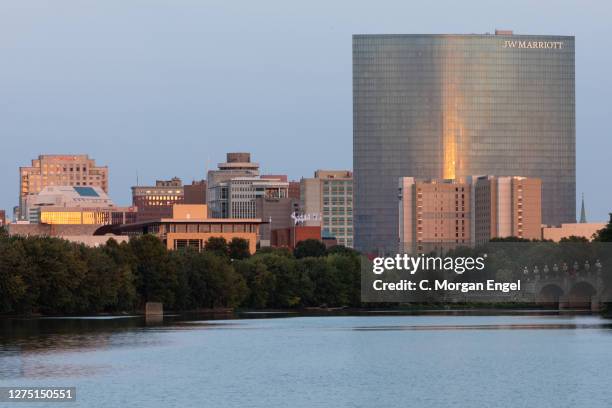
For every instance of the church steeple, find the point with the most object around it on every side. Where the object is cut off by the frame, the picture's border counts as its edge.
(583, 219)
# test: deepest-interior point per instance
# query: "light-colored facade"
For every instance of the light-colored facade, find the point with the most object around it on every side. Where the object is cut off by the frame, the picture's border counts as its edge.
(440, 214)
(326, 200)
(236, 165)
(583, 230)
(60, 170)
(507, 207)
(190, 227)
(434, 215)
(235, 187)
(68, 205)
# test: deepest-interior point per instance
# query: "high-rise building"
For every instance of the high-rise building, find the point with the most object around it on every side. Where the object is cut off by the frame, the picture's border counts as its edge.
(60, 170)
(442, 214)
(507, 207)
(434, 215)
(2, 218)
(234, 188)
(155, 202)
(236, 165)
(450, 106)
(327, 201)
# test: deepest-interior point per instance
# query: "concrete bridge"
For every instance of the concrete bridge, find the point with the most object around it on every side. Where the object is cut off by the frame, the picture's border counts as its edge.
(580, 291)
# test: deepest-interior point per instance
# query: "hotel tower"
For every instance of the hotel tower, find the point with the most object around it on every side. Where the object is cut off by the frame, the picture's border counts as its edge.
(450, 106)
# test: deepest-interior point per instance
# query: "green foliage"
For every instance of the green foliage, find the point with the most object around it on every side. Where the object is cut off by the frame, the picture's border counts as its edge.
(53, 276)
(573, 238)
(217, 245)
(605, 234)
(276, 251)
(238, 248)
(309, 248)
(342, 250)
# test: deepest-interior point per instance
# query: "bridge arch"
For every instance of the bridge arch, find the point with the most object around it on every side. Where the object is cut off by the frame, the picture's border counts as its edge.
(549, 295)
(580, 295)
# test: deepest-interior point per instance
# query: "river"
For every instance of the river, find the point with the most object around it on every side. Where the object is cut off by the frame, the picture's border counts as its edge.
(285, 360)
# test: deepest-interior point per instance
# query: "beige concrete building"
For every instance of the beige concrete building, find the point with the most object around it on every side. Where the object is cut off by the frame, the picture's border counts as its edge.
(584, 230)
(326, 200)
(64, 205)
(60, 170)
(439, 214)
(190, 227)
(506, 207)
(434, 215)
(88, 234)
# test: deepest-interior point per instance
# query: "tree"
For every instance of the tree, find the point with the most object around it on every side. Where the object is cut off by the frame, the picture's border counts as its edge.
(276, 251)
(341, 250)
(574, 238)
(605, 234)
(261, 283)
(309, 248)
(217, 245)
(238, 248)
(155, 275)
(13, 269)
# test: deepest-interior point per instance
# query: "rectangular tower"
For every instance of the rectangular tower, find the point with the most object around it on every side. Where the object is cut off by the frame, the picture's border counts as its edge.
(450, 106)
(60, 170)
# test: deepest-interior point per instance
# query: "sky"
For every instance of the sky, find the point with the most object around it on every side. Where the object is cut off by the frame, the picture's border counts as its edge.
(163, 88)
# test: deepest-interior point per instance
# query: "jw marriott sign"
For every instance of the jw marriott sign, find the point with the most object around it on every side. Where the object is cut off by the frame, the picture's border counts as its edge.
(555, 45)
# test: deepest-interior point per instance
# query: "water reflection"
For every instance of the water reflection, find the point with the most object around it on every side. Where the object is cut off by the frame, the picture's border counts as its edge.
(547, 326)
(200, 361)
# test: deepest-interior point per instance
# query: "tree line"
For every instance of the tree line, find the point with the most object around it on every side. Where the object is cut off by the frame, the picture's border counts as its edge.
(53, 276)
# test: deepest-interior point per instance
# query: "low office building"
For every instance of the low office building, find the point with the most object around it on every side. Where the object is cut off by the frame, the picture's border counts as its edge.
(154, 202)
(190, 227)
(68, 205)
(87, 234)
(582, 230)
(291, 236)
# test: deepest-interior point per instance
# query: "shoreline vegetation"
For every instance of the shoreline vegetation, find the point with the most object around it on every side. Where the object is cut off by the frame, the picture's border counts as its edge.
(50, 276)
(44, 276)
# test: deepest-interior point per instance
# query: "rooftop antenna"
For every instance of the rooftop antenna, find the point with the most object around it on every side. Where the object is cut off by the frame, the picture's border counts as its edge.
(137, 178)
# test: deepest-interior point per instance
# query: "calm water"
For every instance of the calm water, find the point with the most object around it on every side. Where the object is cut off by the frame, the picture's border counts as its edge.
(343, 361)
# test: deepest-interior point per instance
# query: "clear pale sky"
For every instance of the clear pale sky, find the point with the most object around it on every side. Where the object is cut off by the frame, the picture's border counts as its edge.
(164, 87)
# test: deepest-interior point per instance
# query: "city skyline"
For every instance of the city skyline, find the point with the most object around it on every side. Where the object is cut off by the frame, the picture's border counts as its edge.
(180, 104)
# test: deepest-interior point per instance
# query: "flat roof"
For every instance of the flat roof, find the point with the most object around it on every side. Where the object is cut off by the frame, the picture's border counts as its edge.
(196, 221)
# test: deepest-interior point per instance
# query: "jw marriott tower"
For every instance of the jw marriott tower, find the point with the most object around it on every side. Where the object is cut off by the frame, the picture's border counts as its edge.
(451, 106)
